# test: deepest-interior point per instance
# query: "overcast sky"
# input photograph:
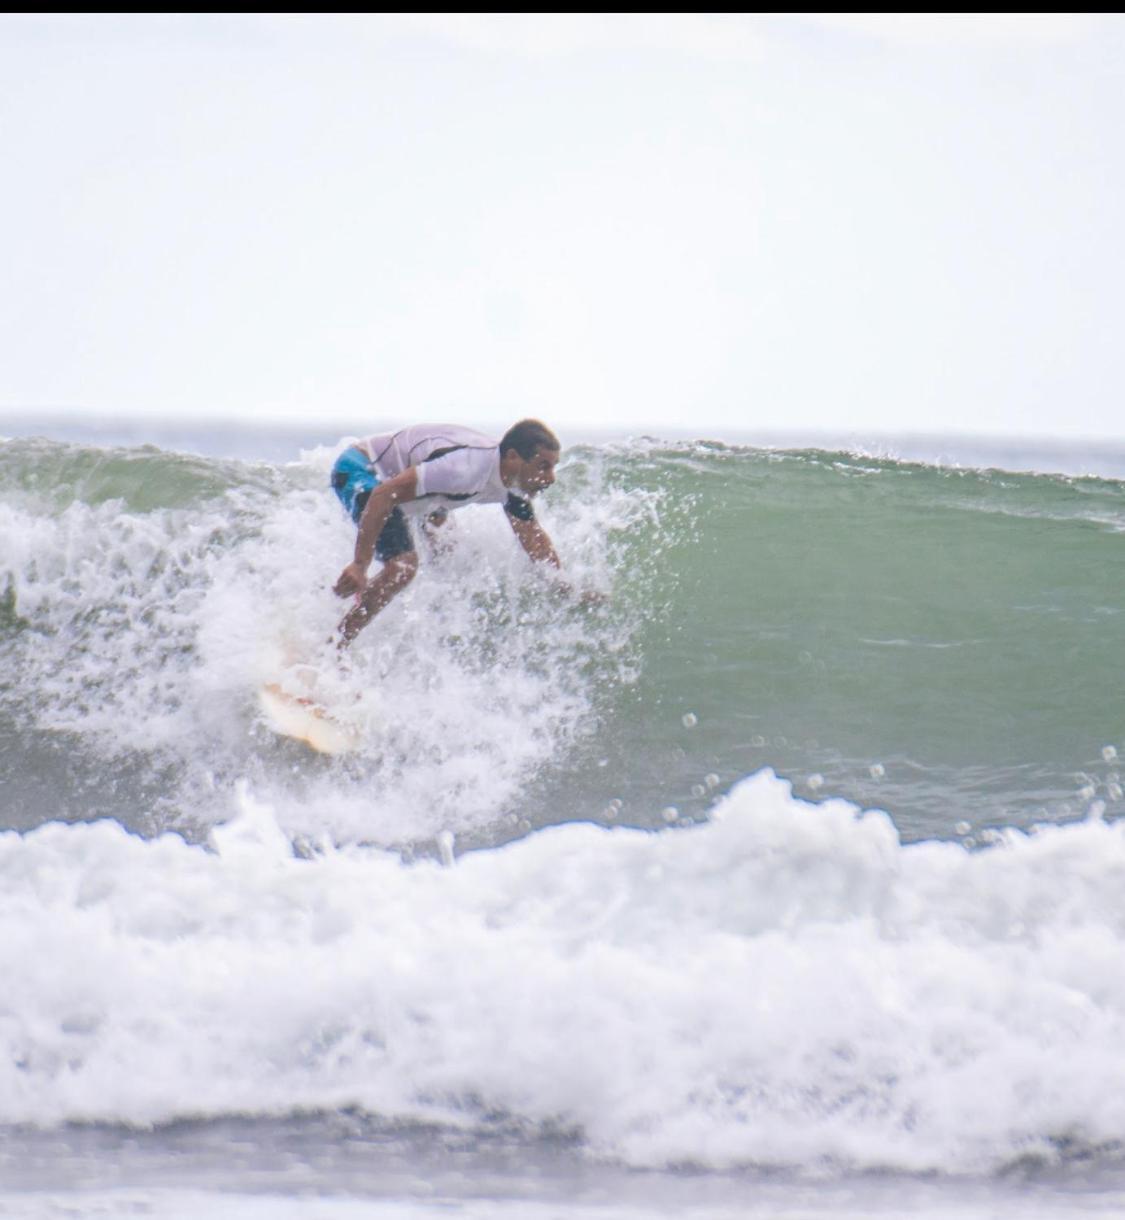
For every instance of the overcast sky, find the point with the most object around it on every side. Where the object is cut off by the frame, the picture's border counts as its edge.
(873, 223)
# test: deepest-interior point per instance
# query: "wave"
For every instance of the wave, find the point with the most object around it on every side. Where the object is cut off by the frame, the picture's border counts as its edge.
(786, 985)
(937, 642)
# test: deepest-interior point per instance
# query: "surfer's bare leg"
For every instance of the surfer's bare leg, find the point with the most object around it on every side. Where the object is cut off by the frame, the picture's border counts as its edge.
(394, 576)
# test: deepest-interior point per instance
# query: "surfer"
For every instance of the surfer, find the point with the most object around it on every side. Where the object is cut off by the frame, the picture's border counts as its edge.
(443, 466)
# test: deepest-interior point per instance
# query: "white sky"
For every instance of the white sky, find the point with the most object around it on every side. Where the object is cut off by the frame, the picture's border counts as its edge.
(890, 224)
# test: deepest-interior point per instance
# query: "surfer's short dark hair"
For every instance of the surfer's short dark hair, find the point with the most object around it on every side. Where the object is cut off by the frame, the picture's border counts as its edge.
(527, 438)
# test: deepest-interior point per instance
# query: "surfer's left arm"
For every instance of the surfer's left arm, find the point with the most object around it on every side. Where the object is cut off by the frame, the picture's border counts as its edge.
(535, 540)
(537, 543)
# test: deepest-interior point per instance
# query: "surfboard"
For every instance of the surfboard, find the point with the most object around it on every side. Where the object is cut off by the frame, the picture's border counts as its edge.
(306, 720)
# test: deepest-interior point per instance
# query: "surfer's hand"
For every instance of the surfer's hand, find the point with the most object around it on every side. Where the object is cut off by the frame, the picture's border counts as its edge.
(352, 580)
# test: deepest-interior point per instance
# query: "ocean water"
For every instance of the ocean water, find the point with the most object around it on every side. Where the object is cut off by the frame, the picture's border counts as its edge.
(788, 880)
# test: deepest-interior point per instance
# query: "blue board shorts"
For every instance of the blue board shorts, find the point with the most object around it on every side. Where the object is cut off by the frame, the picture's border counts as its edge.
(353, 481)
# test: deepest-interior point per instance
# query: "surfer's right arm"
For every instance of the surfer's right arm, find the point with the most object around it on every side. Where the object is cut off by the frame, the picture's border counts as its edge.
(381, 503)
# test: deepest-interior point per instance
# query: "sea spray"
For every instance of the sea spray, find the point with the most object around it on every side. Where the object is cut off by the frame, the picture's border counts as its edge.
(141, 633)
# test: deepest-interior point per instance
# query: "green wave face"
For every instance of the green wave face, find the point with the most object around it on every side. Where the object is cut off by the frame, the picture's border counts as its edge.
(51, 476)
(946, 643)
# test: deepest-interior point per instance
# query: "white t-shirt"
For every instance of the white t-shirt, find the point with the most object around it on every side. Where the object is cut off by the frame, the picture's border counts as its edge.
(455, 464)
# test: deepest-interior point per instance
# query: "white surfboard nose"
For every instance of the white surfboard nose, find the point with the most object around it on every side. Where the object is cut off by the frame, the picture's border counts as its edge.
(305, 720)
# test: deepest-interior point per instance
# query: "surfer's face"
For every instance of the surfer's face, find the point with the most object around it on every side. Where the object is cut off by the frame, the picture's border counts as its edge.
(538, 472)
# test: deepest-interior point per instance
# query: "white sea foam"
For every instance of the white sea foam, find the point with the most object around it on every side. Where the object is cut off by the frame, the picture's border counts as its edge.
(153, 630)
(786, 984)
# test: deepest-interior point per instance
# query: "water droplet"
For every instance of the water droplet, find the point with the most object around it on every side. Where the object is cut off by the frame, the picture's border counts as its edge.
(690, 720)
(712, 780)
(757, 741)
(1109, 753)
(963, 828)
(1113, 791)
(698, 790)
(445, 847)
(1087, 792)
(877, 770)
(815, 782)
(670, 814)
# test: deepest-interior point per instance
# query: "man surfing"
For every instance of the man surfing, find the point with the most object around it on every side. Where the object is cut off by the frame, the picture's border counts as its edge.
(433, 468)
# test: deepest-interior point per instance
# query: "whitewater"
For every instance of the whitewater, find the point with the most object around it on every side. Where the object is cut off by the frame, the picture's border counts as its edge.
(787, 880)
